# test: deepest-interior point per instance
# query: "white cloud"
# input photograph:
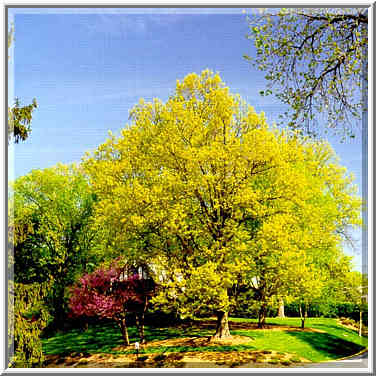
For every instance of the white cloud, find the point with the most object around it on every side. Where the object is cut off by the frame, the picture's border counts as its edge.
(115, 24)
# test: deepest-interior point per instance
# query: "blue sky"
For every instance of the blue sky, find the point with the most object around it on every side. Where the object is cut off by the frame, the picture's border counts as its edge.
(87, 68)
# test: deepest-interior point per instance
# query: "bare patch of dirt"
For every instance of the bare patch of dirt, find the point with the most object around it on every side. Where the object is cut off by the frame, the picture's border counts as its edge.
(211, 324)
(347, 324)
(229, 358)
(291, 329)
(191, 342)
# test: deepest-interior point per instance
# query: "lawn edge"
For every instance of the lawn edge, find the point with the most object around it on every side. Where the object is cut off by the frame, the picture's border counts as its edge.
(344, 358)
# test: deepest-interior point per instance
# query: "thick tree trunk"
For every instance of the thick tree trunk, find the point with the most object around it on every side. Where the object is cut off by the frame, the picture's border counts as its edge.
(222, 330)
(140, 326)
(124, 331)
(281, 309)
(262, 317)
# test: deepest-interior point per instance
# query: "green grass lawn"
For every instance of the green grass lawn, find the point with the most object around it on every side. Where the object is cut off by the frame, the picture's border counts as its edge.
(335, 341)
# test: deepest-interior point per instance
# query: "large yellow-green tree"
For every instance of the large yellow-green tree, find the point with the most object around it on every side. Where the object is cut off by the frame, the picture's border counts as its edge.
(199, 186)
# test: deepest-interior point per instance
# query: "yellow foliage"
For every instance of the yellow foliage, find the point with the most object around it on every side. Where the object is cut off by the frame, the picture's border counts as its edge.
(201, 184)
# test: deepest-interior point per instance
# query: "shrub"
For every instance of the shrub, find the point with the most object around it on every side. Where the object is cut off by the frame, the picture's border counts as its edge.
(348, 310)
(30, 318)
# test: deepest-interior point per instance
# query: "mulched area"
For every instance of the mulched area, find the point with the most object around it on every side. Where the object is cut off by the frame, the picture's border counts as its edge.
(211, 324)
(191, 342)
(347, 324)
(227, 359)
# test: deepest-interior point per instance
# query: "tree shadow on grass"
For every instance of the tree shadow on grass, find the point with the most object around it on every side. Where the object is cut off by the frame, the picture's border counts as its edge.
(94, 340)
(336, 327)
(99, 339)
(328, 345)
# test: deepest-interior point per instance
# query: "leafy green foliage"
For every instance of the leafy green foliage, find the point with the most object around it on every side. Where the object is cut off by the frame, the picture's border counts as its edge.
(315, 61)
(30, 317)
(10, 35)
(51, 224)
(343, 286)
(111, 293)
(19, 120)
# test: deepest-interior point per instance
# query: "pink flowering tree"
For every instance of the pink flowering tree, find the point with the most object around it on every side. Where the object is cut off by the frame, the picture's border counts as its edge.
(111, 293)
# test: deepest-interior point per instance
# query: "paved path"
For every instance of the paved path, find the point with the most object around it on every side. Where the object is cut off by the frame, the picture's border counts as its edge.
(356, 361)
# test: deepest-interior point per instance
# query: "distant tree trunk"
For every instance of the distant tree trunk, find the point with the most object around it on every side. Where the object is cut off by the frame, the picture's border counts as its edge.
(281, 309)
(124, 330)
(57, 301)
(140, 319)
(360, 323)
(303, 315)
(262, 316)
(222, 330)
(140, 325)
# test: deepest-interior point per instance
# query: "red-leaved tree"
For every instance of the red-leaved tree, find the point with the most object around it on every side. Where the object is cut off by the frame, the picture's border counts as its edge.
(111, 293)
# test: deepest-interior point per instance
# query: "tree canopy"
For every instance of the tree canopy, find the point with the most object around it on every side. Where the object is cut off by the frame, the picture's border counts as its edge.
(315, 61)
(50, 220)
(112, 293)
(202, 187)
(19, 120)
